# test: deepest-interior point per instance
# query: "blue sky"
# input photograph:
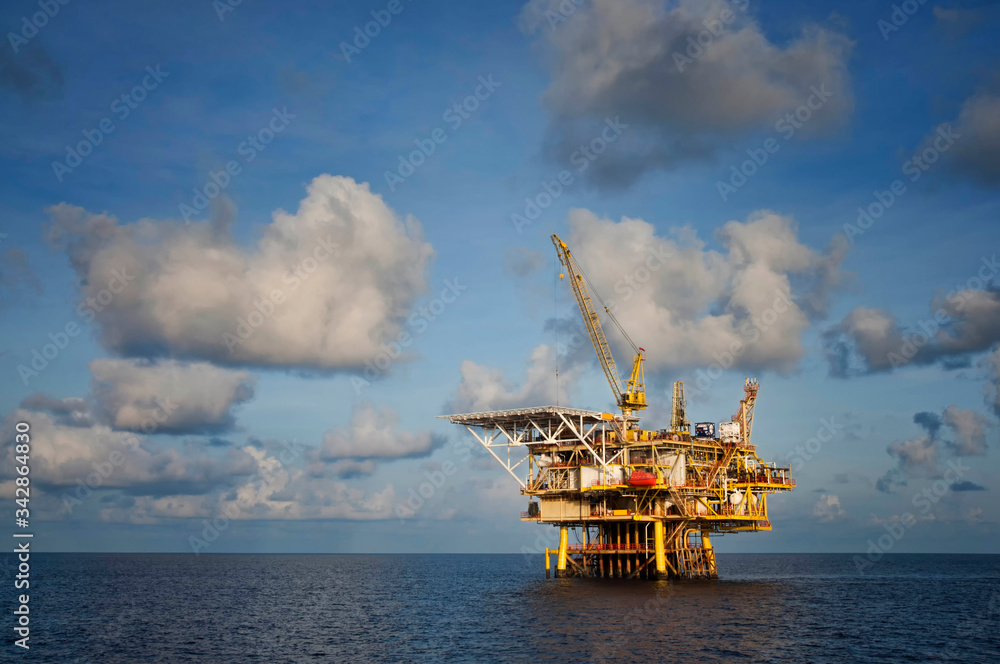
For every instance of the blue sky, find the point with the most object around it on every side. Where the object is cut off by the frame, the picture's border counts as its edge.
(553, 86)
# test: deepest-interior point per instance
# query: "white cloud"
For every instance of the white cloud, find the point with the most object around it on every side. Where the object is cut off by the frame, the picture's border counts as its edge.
(976, 152)
(689, 306)
(916, 454)
(635, 58)
(373, 432)
(828, 508)
(68, 456)
(274, 490)
(488, 388)
(921, 456)
(168, 396)
(969, 428)
(871, 335)
(145, 482)
(322, 288)
(871, 340)
(992, 363)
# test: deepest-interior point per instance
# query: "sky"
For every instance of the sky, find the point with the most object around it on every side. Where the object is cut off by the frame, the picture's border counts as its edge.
(251, 252)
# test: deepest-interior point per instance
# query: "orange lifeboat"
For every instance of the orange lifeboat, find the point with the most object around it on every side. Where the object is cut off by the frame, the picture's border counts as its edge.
(641, 478)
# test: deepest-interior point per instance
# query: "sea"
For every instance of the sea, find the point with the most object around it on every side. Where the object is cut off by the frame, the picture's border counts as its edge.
(111, 608)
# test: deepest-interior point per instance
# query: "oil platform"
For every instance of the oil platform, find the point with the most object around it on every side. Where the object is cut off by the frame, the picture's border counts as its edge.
(641, 503)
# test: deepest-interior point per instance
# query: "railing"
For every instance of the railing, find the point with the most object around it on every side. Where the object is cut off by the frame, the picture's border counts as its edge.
(600, 546)
(600, 483)
(735, 511)
(764, 479)
(526, 515)
(545, 482)
(624, 483)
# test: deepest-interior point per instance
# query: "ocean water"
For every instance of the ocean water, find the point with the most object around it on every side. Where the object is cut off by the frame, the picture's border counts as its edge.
(112, 608)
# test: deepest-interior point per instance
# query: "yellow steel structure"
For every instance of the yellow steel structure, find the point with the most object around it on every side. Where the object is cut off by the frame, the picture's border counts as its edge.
(579, 470)
(679, 423)
(643, 503)
(630, 396)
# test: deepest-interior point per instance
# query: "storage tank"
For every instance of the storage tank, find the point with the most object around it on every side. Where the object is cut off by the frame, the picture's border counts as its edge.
(729, 432)
(704, 430)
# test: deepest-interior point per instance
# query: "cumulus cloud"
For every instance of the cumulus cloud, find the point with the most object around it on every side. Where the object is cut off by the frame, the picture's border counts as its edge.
(373, 432)
(871, 334)
(992, 364)
(641, 59)
(689, 305)
(272, 490)
(872, 340)
(828, 508)
(969, 429)
(145, 482)
(68, 456)
(916, 454)
(70, 411)
(164, 396)
(488, 388)
(167, 395)
(321, 289)
(976, 152)
(921, 456)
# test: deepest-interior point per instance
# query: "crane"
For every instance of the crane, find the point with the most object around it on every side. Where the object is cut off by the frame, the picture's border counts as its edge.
(631, 395)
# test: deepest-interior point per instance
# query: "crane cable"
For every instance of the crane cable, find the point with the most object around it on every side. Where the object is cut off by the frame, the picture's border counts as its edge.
(614, 319)
(555, 314)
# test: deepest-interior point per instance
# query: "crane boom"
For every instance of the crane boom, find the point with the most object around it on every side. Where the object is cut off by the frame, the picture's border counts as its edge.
(631, 395)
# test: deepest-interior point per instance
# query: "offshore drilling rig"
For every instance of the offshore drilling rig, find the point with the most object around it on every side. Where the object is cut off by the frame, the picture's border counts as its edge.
(642, 503)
